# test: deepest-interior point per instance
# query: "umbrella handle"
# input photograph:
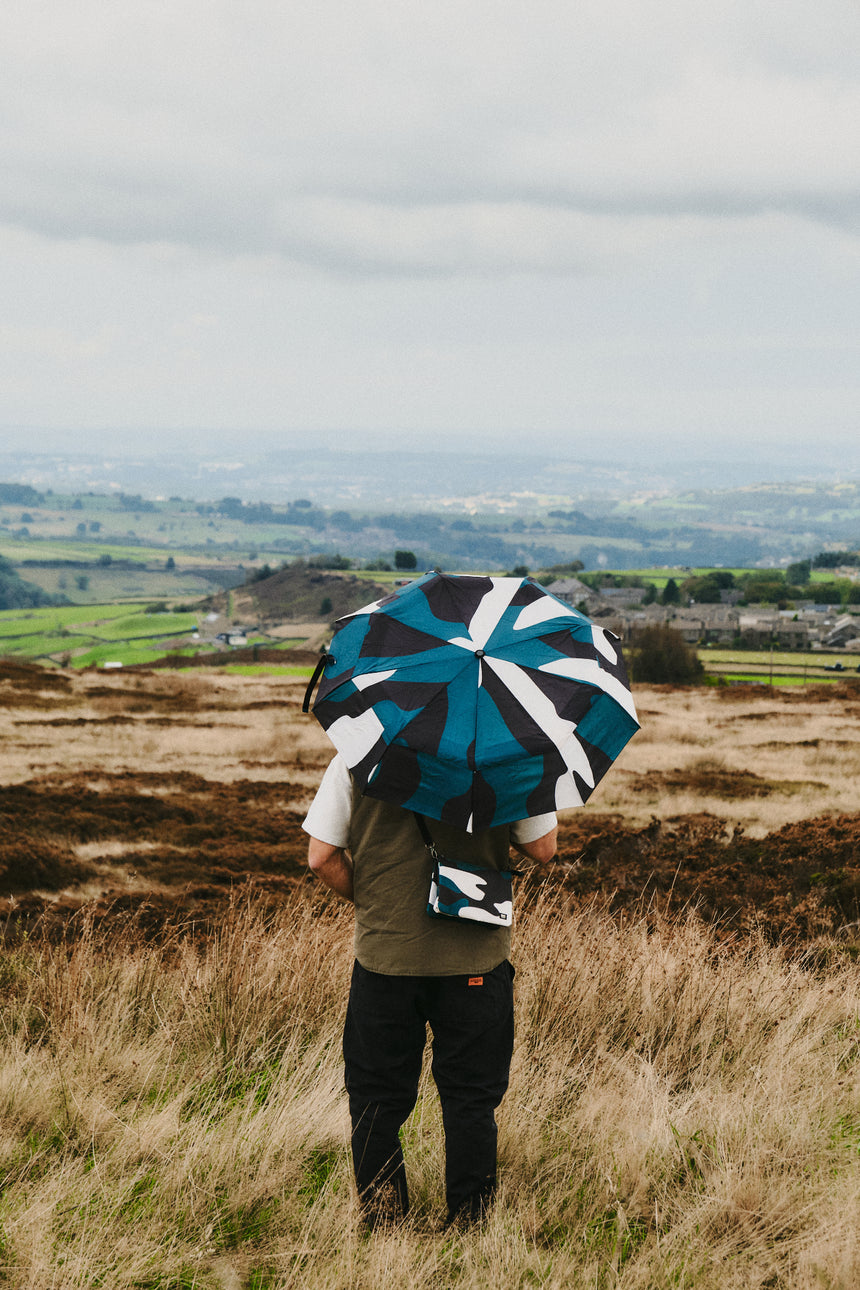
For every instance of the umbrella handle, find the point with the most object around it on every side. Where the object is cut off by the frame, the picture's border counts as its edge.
(317, 673)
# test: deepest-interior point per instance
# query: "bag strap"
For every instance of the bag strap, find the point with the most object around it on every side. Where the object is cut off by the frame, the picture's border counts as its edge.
(431, 845)
(317, 673)
(425, 835)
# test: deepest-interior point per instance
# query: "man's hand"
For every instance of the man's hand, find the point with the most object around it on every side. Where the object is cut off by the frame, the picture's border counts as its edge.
(542, 850)
(332, 866)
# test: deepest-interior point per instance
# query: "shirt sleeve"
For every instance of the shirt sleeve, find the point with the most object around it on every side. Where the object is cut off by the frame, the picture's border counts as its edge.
(330, 811)
(534, 827)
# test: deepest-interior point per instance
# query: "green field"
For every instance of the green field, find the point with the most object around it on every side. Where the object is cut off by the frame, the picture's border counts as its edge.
(778, 668)
(660, 576)
(128, 655)
(117, 583)
(25, 621)
(764, 678)
(793, 659)
(90, 634)
(135, 625)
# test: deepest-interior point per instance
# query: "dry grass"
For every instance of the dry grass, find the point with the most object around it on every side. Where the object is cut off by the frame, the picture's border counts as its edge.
(807, 748)
(230, 727)
(680, 1114)
(683, 1111)
(211, 724)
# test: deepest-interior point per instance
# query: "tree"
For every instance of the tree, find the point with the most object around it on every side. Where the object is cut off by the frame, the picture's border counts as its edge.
(405, 560)
(82, 582)
(832, 559)
(830, 593)
(766, 587)
(20, 495)
(671, 595)
(259, 575)
(706, 589)
(571, 566)
(658, 654)
(336, 561)
(170, 563)
(798, 573)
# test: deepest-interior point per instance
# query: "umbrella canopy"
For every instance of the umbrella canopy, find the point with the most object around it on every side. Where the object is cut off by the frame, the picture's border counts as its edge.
(475, 700)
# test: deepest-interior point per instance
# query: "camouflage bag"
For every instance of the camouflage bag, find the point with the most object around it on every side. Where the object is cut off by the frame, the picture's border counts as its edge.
(471, 892)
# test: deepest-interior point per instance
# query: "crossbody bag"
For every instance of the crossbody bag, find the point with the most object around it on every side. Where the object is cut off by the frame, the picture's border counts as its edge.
(475, 893)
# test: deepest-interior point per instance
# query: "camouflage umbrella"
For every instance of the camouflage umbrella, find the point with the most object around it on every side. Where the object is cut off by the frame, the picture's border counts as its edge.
(475, 700)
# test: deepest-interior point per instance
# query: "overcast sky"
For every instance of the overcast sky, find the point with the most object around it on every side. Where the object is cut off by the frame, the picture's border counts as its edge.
(513, 222)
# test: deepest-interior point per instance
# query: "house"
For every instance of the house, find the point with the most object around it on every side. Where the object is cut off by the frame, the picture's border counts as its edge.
(757, 630)
(578, 594)
(790, 633)
(843, 630)
(623, 595)
(709, 623)
(765, 629)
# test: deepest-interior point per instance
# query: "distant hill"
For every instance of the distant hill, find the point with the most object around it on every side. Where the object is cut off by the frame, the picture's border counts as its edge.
(302, 593)
(510, 513)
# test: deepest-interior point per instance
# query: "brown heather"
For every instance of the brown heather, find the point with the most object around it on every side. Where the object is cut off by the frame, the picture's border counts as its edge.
(684, 1108)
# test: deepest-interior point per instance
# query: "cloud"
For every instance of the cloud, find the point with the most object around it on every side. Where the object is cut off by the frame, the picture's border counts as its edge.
(414, 139)
(597, 219)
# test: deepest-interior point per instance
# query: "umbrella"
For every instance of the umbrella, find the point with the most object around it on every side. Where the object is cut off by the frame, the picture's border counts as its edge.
(475, 700)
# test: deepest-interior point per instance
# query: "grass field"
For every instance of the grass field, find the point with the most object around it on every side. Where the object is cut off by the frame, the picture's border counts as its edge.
(765, 678)
(90, 634)
(679, 1114)
(133, 625)
(147, 537)
(130, 655)
(684, 1106)
(129, 585)
(19, 621)
(783, 658)
(660, 576)
(779, 668)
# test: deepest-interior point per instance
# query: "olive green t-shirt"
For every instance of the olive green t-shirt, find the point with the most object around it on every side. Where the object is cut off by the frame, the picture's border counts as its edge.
(394, 934)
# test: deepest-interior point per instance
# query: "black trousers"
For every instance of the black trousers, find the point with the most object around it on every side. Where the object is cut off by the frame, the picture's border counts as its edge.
(472, 1024)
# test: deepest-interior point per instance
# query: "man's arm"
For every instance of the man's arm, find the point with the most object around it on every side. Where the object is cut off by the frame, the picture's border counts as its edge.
(332, 866)
(542, 850)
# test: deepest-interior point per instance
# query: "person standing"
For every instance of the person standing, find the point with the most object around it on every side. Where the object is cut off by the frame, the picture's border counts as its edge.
(411, 970)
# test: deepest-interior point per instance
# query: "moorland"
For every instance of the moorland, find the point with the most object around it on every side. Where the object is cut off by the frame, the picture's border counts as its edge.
(170, 787)
(685, 1099)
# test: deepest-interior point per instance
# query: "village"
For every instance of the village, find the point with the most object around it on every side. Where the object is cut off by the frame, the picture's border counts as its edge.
(807, 626)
